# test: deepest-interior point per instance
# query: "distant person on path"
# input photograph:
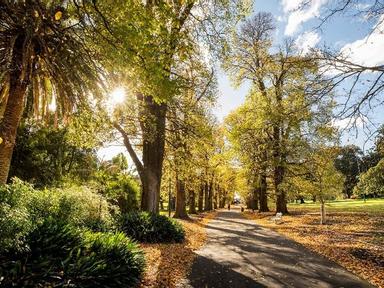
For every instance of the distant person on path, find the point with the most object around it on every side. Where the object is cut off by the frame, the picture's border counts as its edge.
(229, 206)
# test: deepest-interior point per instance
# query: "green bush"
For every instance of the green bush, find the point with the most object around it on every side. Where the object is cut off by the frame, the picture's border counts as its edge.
(81, 207)
(15, 220)
(51, 246)
(62, 255)
(113, 260)
(22, 208)
(152, 228)
(119, 188)
(125, 190)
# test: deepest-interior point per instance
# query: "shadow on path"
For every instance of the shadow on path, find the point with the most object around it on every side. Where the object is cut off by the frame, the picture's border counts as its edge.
(208, 273)
(239, 253)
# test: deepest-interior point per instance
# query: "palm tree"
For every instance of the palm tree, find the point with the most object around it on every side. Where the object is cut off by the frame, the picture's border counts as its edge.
(43, 58)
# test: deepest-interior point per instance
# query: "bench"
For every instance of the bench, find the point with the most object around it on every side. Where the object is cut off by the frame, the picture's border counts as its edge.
(277, 218)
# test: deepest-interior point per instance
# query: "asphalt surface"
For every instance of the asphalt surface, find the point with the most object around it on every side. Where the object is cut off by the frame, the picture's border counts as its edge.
(240, 253)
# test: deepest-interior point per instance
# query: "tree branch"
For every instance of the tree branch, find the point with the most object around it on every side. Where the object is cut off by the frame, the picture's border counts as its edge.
(131, 151)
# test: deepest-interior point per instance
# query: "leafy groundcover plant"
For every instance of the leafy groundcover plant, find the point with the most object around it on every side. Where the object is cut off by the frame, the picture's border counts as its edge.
(151, 228)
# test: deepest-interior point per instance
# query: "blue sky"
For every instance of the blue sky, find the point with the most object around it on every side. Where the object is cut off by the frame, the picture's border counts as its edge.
(340, 32)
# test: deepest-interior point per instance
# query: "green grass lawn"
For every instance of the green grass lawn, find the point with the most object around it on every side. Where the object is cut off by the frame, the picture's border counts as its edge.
(348, 205)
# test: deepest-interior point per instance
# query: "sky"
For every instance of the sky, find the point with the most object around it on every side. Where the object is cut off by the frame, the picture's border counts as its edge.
(341, 32)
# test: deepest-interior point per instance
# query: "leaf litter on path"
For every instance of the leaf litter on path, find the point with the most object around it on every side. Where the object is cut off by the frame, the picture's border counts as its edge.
(168, 264)
(353, 240)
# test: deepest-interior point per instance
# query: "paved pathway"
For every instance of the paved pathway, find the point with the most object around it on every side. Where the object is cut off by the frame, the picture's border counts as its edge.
(239, 253)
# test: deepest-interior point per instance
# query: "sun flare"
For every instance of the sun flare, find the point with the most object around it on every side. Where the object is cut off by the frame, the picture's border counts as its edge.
(118, 95)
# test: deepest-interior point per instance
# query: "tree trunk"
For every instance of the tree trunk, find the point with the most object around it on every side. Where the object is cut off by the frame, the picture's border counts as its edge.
(255, 198)
(201, 197)
(281, 202)
(153, 129)
(210, 196)
(223, 198)
(215, 197)
(278, 146)
(181, 211)
(18, 83)
(263, 199)
(278, 172)
(322, 212)
(206, 196)
(192, 202)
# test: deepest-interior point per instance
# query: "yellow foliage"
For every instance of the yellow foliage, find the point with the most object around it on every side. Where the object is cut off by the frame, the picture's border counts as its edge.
(58, 15)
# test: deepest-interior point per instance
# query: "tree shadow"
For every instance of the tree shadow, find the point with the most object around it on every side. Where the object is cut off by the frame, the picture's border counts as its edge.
(276, 260)
(207, 273)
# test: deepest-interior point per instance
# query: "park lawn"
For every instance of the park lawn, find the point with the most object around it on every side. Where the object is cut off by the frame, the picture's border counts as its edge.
(353, 235)
(168, 264)
(347, 205)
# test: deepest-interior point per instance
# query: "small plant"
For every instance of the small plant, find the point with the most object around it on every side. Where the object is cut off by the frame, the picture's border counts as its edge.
(152, 228)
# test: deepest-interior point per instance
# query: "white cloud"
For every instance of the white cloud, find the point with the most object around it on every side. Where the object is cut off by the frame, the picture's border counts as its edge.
(349, 122)
(298, 15)
(307, 40)
(290, 5)
(369, 50)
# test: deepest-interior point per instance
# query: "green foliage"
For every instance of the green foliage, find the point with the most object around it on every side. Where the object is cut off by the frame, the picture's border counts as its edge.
(321, 179)
(67, 69)
(45, 239)
(117, 185)
(79, 206)
(44, 156)
(149, 227)
(22, 208)
(62, 255)
(349, 163)
(15, 220)
(279, 120)
(372, 181)
(125, 191)
(115, 261)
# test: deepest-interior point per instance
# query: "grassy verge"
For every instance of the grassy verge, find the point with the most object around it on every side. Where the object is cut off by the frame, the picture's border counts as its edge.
(352, 237)
(353, 205)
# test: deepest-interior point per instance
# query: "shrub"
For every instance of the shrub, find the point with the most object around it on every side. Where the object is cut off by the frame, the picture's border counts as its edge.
(149, 227)
(81, 207)
(22, 209)
(113, 260)
(62, 255)
(51, 246)
(120, 189)
(15, 220)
